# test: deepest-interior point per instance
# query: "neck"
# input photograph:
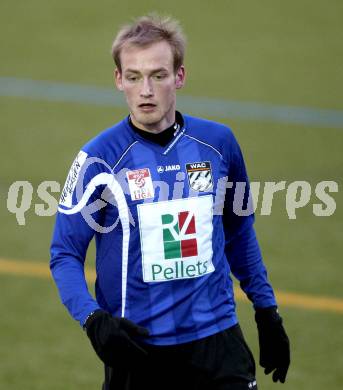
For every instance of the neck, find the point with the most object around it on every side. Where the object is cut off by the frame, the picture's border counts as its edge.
(163, 137)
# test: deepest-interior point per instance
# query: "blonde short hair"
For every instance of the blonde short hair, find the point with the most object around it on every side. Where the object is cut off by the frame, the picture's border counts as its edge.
(150, 29)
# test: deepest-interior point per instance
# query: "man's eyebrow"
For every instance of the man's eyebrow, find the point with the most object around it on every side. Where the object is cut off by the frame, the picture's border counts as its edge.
(160, 70)
(152, 72)
(131, 71)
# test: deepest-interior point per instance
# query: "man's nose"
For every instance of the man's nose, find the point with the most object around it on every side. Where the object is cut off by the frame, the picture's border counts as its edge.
(147, 90)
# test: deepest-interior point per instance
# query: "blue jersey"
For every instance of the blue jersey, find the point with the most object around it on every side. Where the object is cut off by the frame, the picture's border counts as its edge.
(167, 239)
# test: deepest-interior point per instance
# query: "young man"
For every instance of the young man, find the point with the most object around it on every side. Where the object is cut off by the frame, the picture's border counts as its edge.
(148, 189)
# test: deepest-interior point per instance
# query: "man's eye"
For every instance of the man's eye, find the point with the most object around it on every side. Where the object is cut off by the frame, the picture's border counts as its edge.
(132, 78)
(159, 76)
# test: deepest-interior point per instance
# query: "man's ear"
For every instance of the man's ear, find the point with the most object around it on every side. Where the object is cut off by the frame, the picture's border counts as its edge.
(118, 80)
(180, 77)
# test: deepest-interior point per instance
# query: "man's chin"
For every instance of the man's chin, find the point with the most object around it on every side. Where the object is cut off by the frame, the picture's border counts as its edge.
(146, 119)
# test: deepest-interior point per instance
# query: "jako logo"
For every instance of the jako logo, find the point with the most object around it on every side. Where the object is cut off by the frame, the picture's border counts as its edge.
(179, 238)
(161, 169)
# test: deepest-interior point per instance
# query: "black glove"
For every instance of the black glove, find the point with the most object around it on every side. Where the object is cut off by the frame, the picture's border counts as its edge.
(274, 343)
(113, 338)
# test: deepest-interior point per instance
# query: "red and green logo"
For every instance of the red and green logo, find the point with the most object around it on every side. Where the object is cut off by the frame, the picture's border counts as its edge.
(179, 235)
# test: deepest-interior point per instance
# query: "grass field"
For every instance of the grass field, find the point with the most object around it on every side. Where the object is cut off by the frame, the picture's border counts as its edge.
(271, 52)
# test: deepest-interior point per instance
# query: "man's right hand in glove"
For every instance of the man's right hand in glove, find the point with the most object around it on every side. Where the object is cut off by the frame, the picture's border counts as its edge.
(113, 338)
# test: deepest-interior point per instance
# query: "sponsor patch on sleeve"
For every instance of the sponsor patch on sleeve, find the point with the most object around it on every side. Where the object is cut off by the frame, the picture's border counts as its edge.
(70, 184)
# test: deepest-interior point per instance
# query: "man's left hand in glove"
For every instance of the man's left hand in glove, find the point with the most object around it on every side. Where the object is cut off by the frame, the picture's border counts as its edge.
(274, 343)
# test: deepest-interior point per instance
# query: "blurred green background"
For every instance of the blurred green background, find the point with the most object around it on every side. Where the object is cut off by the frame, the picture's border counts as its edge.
(273, 52)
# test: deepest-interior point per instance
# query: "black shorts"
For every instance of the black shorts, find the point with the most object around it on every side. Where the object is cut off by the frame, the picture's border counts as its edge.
(222, 361)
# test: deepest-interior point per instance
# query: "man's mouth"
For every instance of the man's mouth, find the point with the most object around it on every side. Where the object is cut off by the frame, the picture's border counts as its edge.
(147, 105)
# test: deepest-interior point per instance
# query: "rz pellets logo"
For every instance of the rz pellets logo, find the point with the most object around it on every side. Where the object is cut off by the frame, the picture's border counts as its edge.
(176, 238)
(179, 235)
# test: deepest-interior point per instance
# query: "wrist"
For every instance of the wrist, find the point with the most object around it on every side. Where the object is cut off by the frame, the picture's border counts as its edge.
(90, 318)
(267, 315)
